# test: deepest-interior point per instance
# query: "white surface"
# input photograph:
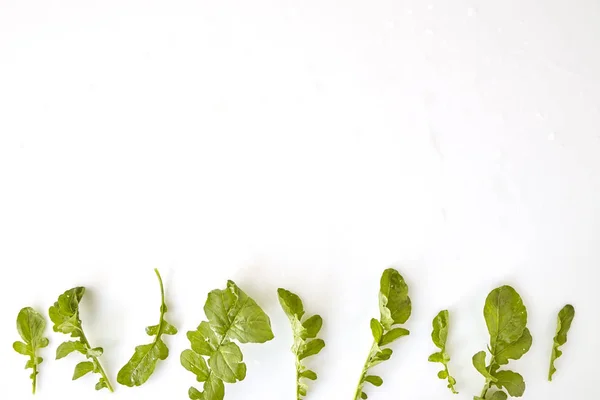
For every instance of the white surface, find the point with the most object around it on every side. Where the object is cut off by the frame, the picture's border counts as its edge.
(307, 145)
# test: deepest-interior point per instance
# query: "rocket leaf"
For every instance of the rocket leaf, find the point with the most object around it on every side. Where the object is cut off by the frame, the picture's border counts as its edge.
(395, 308)
(305, 344)
(65, 316)
(563, 324)
(31, 326)
(439, 335)
(506, 319)
(143, 362)
(232, 315)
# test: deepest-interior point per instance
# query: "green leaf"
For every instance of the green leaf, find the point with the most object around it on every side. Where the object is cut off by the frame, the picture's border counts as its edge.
(374, 380)
(31, 326)
(479, 364)
(439, 334)
(83, 368)
(513, 351)
(376, 330)
(142, 364)
(226, 363)
(234, 315)
(393, 335)
(196, 364)
(498, 396)
(563, 324)
(436, 357)
(204, 340)
(511, 381)
(65, 316)
(302, 348)
(394, 303)
(312, 326)
(66, 348)
(505, 315)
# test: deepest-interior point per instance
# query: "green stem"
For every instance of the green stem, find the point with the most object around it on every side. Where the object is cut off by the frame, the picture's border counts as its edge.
(448, 375)
(96, 362)
(34, 375)
(163, 305)
(488, 383)
(361, 382)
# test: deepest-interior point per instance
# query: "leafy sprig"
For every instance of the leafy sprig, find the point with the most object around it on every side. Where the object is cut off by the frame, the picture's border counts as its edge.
(65, 316)
(439, 335)
(506, 320)
(305, 333)
(143, 362)
(31, 326)
(395, 308)
(563, 324)
(232, 315)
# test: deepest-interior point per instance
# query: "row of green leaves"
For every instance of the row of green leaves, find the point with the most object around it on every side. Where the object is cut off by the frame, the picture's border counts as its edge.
(215, 358)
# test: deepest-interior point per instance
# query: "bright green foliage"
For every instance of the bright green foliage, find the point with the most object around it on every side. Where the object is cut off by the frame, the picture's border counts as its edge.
(439, 335)
(564, 320)
(31, 326)
(232, 315)
(305, 331)
(395, 309)
(65, 316)
(506, 319)
(143, 362)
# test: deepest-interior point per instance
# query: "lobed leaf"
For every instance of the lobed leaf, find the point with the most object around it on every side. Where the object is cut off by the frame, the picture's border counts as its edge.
(142, 364)
(439, 336)
(31, 326)
(563, 324)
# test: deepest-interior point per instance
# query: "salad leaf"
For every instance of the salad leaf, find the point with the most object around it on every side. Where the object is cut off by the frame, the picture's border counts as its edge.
(232, 315)
(395, 309)
(305, 331)
(439, 335)
(506, 319)
(563, 324)
(31, 326)
(65, 316)
(143, 362)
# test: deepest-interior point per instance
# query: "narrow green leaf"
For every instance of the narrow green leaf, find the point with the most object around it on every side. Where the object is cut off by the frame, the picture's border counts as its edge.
(31, 326)
(393, 335)
(310, 348)
(66, 348)
(563, 324)
(479, 364)
(376, 330)
(374, 380)
(313, 326)
(439, 334)
(142, 364)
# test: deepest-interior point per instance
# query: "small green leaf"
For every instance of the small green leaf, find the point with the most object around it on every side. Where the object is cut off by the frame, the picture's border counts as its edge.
(204, 341)
(513, 351)
(393, 335)
(511, 381)
(439, 334)
(394, 303)
(313, 326)
(22, 348)
(563, 324)
(498, 396)
(308, 374)
(376, 330)
(479, 364)
(374, 380)
(196, 364)
(291, 304)
(83, 368)
(66, 348)
(443, 374)
(226, 363)
(310, 348)
(31, 326)
(436, 357)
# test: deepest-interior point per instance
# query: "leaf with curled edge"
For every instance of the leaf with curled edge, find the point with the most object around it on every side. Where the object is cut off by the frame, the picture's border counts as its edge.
(305, 331)
(232, 315)
(31, 326)
(65, 316)
(142, 364)
(395, 308)
(563, 324)
(439, 335)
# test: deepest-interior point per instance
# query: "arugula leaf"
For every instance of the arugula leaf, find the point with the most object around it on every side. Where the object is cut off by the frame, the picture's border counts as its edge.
(506, 319)
(232, 315)
(65, 316)
(563, 324)
(439, 335)
(143, 362)
(395, 308)
(305, 344)
(31, 326)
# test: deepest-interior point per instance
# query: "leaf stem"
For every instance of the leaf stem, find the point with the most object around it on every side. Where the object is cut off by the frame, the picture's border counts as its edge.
(361, 382)
(96, 362)
(488, 383)
(163, 305)
(34, 379)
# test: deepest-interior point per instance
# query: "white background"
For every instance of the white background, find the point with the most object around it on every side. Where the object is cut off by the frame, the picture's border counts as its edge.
(304, 144)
